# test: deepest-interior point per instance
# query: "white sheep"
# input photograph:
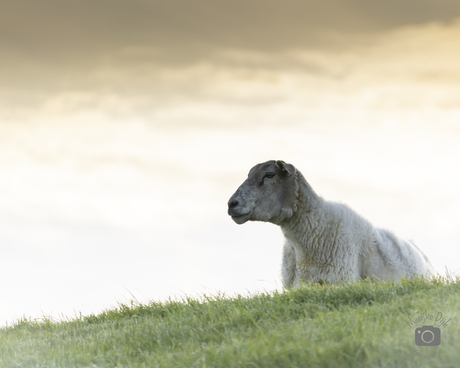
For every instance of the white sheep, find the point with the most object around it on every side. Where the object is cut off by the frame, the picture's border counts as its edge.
(325, 241)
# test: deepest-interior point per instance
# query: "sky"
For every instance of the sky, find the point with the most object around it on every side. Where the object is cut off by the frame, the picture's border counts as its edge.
(125, 127)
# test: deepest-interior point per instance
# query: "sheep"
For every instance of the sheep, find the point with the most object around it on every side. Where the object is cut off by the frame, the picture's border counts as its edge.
(325, 242)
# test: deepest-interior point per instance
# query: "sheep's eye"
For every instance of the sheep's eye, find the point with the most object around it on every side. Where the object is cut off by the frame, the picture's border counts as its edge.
(267, 175)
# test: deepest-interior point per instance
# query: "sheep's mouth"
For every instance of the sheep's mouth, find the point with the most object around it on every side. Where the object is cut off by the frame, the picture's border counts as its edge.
(241, 219)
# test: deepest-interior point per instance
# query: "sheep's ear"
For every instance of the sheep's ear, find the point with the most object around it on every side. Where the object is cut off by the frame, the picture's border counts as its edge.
(283, 167)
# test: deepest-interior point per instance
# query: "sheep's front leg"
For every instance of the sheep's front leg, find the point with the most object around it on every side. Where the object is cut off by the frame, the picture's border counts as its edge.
(288, 266)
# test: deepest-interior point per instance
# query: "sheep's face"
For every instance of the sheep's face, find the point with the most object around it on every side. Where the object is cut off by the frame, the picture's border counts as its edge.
(267, 194)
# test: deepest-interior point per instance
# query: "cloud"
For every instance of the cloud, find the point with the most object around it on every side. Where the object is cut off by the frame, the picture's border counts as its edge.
(53, 31)
(222, 63)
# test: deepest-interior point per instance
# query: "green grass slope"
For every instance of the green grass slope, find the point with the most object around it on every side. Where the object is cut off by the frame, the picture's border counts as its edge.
(353, 325)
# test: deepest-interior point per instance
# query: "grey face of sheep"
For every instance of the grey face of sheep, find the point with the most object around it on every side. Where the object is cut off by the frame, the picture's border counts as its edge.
(266, 195)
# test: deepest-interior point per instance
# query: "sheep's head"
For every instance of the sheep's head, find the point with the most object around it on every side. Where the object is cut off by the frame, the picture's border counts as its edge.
(268, 194)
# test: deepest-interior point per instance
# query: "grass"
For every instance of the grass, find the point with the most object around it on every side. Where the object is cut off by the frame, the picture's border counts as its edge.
(352, 325)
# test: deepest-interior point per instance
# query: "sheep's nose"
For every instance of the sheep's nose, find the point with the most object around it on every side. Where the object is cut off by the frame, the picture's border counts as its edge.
(233, 203)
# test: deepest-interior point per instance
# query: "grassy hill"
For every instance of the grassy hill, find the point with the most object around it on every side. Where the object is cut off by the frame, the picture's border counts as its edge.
(353, 325)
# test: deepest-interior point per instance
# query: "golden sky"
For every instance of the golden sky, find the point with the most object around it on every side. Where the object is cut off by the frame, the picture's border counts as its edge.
(125, 126)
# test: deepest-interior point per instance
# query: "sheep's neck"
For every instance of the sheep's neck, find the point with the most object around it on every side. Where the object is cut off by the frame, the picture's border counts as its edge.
(306, 219)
